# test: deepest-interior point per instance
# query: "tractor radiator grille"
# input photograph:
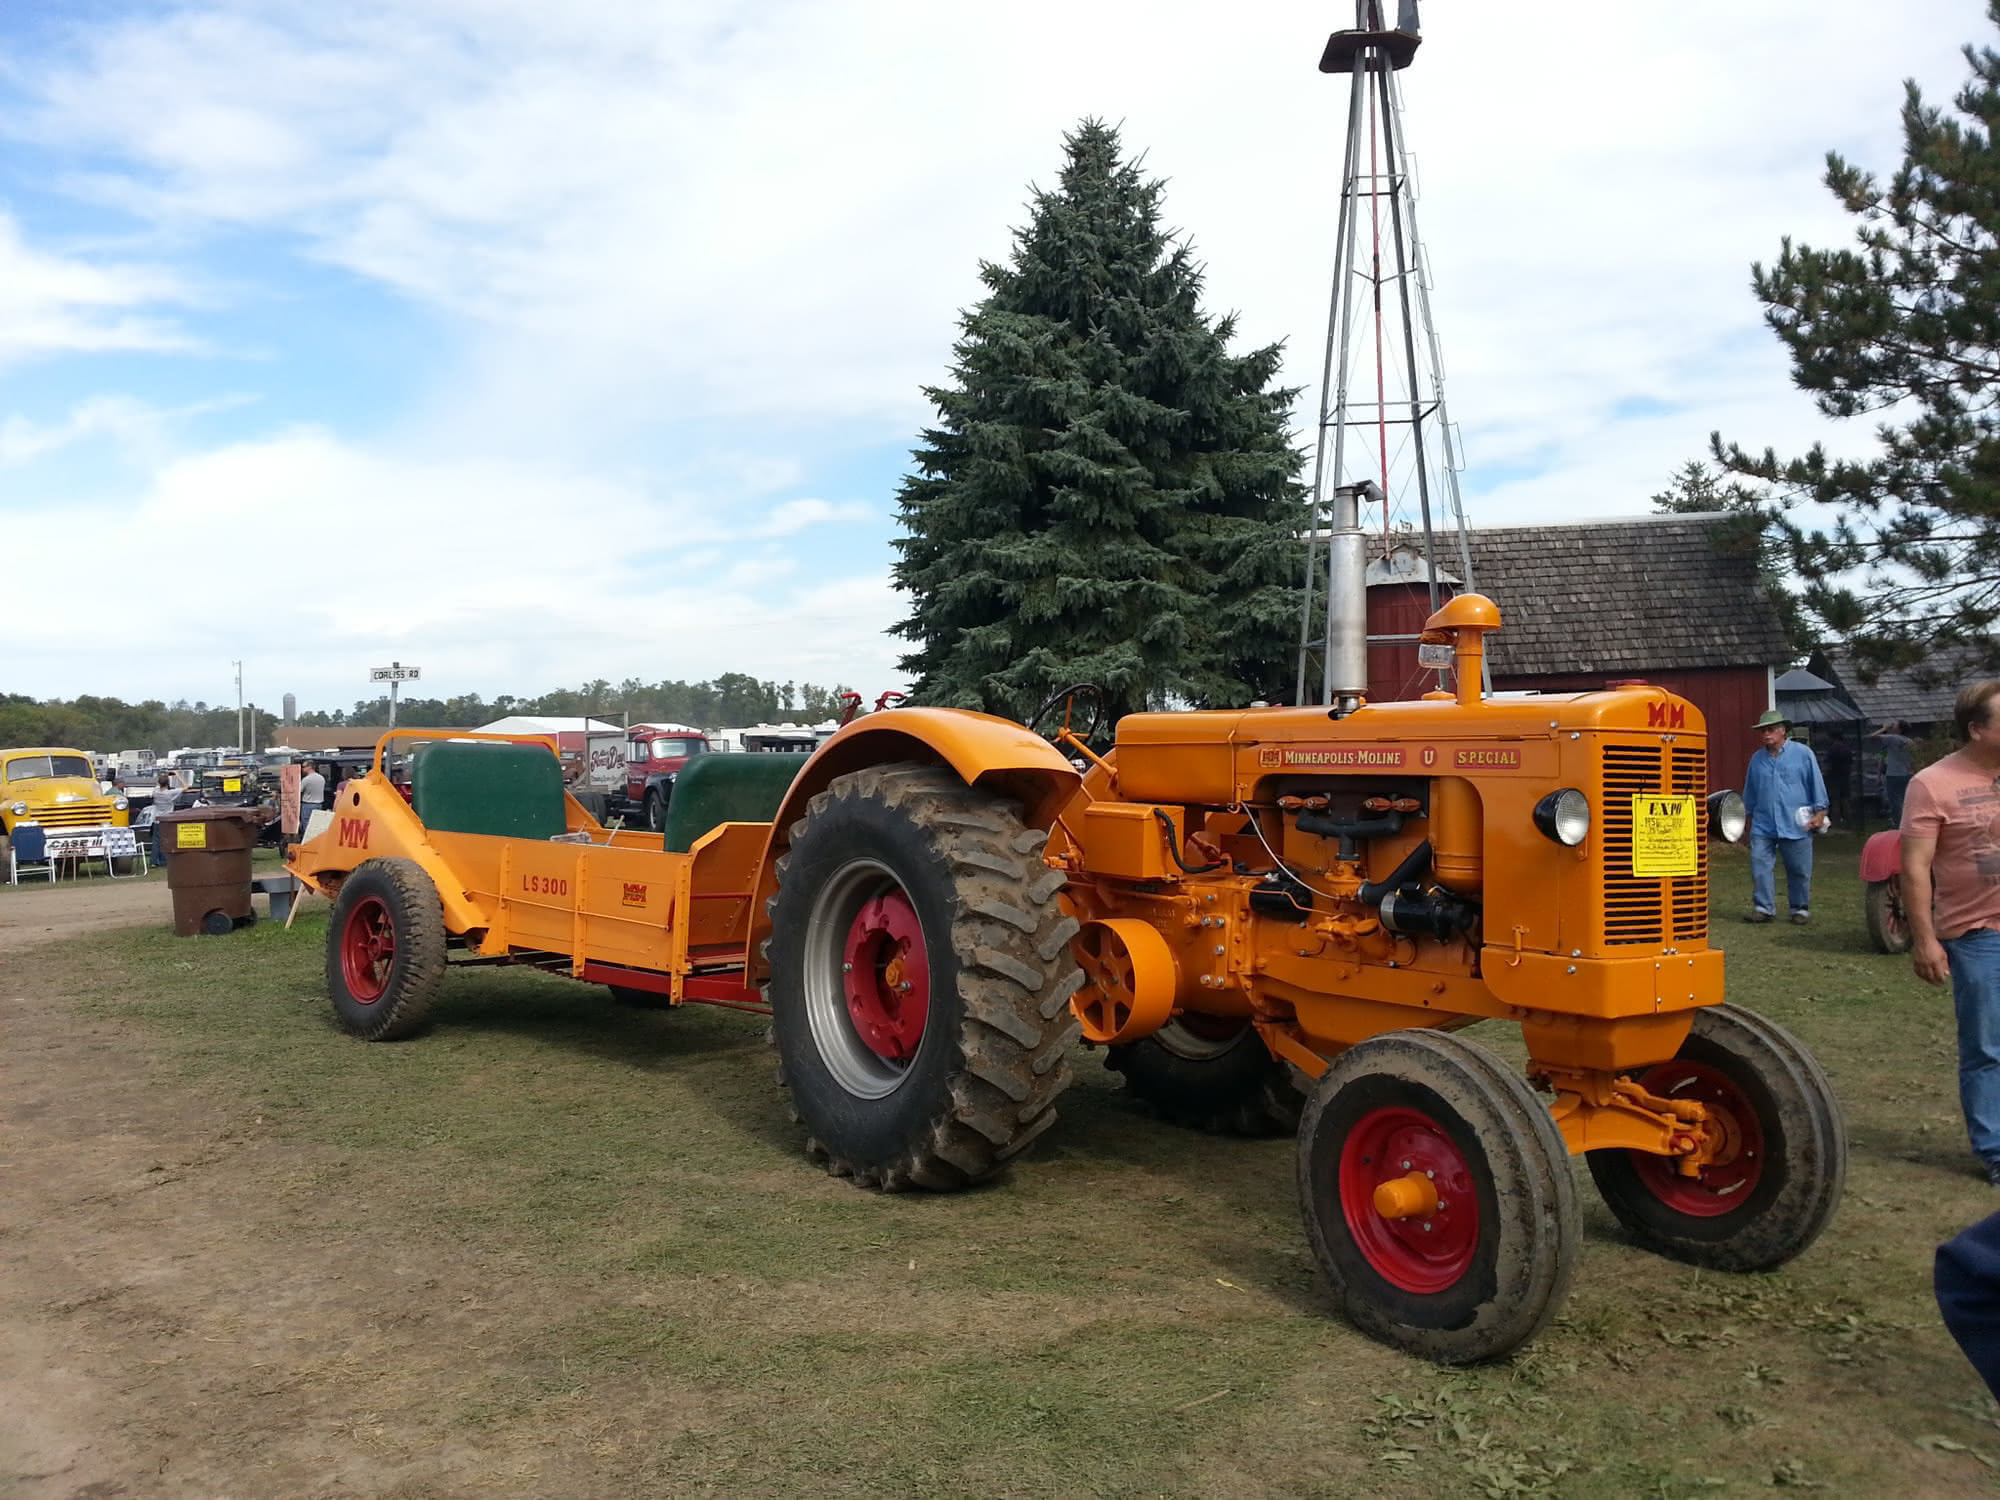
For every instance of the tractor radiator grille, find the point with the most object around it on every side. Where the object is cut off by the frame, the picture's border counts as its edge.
(1688, 772)
(1650, 910)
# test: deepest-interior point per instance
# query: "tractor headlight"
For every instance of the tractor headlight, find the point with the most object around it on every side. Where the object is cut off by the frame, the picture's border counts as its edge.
(1564, 816)
(1728, 818)
(119, 804)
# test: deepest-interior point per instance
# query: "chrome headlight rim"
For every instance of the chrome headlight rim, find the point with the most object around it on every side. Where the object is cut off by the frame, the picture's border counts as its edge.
(1563, 817)
(1728, 817)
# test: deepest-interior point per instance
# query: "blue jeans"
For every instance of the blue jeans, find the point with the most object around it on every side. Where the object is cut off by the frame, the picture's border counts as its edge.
(1975, 994)
(1764, 851)
(1894, 788)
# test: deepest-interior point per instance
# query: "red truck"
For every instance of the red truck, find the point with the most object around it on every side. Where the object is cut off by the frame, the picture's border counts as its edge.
(635, 771)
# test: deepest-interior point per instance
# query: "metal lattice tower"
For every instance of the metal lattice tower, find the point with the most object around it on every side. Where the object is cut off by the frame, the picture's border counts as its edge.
(1385, 423)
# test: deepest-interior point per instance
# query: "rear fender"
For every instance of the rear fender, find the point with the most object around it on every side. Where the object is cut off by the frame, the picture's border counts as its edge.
(1882, 855)
(982, 750)
(372, 821)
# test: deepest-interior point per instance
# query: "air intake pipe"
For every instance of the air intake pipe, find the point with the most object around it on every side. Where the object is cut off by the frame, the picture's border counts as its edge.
(1347, 599)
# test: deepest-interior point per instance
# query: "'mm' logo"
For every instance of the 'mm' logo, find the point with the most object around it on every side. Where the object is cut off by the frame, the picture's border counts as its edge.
(354, 833)
(1666, 715)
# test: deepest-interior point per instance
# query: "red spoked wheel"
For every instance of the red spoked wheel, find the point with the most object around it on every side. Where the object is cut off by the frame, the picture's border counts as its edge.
(1409, 1198)
(885, 976)
(1777, 1178)
(385, 950)
(367, 950)
(1437, 1197)
(1729, 1179)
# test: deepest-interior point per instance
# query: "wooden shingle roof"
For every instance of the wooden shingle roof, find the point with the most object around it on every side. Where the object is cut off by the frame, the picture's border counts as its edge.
(1895, 694)
(1631, 595)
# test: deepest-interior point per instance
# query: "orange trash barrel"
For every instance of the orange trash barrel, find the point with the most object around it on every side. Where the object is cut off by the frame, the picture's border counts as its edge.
(208, 867)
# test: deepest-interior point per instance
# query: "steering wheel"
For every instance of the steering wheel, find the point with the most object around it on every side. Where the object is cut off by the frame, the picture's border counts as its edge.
(1090, 692)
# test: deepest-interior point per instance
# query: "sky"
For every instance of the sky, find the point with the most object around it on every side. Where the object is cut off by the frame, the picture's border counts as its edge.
(532, 344)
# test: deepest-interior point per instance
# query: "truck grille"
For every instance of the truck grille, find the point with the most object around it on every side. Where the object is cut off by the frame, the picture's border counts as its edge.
(1647, 910)
(69, 815)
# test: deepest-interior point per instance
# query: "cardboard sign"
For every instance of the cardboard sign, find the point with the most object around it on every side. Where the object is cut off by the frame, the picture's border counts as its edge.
(190, 835)
(1665, 837)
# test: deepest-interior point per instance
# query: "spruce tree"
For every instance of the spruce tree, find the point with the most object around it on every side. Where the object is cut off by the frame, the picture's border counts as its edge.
(1109, 495)
(1904, 562)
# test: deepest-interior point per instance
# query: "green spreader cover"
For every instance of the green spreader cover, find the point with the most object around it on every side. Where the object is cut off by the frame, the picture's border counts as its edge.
(714, 789)
(480, 786)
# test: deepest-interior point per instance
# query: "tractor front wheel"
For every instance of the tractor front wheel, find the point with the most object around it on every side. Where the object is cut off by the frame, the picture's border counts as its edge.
(920, 978)
(1888, 925)
(1211, 1073)
(1437, 1197)
(1774, 1187)
(385, 952)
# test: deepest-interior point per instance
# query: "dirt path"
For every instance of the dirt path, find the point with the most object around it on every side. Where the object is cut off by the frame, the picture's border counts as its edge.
(37, 913)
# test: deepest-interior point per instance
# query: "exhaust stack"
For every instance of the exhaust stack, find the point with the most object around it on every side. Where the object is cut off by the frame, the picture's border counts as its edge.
(1347, 599)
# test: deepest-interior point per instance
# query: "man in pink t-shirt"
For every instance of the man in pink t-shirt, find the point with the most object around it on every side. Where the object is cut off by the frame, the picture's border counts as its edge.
(1951, 892)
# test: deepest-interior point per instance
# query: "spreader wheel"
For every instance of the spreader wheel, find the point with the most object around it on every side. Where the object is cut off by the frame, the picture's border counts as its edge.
(1774, 1188)
(1882, 906)
(385, 952)
(1211, 1073)
(1437, 1197)
(920, 979)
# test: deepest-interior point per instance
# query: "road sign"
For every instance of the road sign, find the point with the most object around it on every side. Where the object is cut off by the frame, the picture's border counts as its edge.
(396, 673)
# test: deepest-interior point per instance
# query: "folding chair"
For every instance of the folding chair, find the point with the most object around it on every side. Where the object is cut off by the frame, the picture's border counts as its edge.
(123, 843)
(28, 849)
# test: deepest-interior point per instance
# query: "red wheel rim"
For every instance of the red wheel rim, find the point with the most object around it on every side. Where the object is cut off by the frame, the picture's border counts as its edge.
(367, 950)
(886, 978)
(1726, 1183)
(1425, 1252)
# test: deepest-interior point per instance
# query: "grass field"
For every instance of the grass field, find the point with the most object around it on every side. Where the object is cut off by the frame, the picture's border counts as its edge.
(633, 1282)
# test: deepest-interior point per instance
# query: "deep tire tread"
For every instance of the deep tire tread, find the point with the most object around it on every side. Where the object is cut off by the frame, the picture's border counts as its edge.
(1815, 1164)
(418, 917)
(1010, 937)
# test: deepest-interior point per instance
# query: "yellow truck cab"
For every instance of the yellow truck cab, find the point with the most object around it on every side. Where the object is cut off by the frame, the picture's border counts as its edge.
(57, 788)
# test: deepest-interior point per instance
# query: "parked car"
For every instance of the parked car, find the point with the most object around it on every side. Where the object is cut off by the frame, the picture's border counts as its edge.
(56, 787)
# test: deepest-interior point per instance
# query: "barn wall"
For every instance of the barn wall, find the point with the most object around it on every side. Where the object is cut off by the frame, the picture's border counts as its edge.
(1393, 673)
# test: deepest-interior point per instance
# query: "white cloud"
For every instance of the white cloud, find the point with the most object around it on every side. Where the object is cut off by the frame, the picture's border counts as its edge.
(741, 235)
(794, 516)
(313, 560)
(56, 304)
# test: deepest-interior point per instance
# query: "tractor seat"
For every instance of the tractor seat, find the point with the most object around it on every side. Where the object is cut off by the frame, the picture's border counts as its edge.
(711, 790)
(483, 786)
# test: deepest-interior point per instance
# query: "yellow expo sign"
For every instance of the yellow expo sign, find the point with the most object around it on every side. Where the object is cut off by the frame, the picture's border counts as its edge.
(1665, 837)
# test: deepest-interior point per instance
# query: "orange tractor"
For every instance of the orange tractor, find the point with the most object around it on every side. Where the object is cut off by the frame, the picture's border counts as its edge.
(1270, 918)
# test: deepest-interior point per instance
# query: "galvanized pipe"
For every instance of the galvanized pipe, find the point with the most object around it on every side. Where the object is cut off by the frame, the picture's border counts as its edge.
(1347, 597)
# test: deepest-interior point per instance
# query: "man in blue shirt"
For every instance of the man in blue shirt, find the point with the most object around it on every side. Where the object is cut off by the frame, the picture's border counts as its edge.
(1786, 799)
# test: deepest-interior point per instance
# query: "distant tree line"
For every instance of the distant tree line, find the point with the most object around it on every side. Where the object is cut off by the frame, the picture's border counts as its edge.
(108, 724)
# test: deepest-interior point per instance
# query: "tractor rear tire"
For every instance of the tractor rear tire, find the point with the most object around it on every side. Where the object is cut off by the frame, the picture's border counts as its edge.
(1772, 1198)
(385, 950)
(1882, 905)
(1486, 1263)
(920, 978)
(1204, 1076)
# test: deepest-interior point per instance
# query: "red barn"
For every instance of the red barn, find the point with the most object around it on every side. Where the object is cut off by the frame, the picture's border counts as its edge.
(1582, 604)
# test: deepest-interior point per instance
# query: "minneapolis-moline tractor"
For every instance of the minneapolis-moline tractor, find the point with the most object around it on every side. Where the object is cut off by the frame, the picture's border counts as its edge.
(1269, 918)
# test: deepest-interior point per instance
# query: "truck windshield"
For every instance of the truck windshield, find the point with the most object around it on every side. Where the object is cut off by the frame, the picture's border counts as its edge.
(674, 749)
(35, 767)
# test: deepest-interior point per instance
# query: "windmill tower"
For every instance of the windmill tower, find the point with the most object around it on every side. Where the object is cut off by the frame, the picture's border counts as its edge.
(1382, 420)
